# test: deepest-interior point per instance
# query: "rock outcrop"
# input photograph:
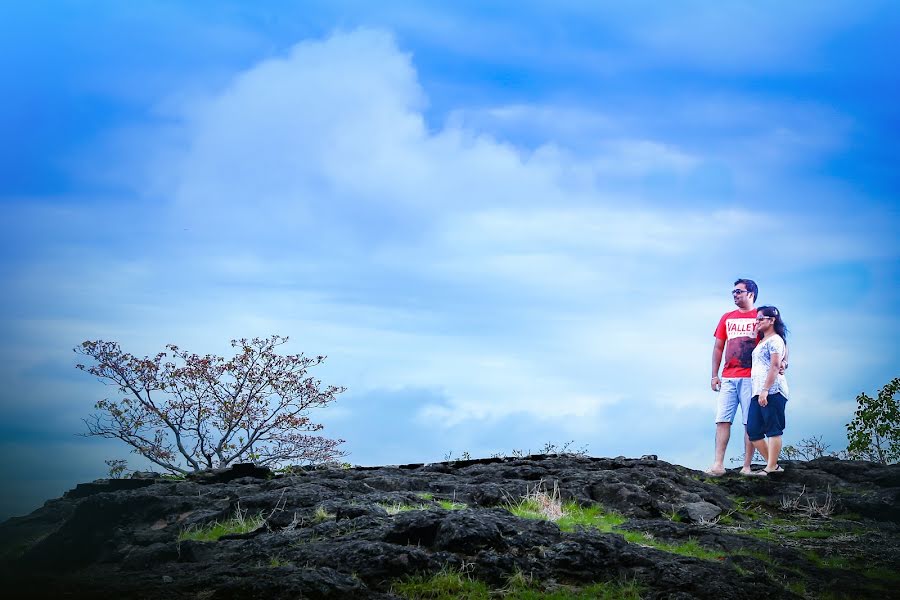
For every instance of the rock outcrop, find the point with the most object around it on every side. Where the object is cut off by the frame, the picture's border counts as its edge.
(822, 527)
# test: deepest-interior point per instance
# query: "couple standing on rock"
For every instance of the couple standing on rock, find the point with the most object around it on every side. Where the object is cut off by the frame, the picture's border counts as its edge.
(752, 341)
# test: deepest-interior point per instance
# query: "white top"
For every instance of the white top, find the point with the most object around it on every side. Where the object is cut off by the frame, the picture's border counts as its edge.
(762, 362)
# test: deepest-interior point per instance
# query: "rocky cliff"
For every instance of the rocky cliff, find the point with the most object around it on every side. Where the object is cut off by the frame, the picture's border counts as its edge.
(535, 527)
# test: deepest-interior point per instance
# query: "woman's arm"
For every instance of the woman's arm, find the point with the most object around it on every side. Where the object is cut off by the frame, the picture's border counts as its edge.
(770, 378)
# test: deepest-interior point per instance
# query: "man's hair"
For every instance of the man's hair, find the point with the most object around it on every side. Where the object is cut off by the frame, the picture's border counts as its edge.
(751, 287)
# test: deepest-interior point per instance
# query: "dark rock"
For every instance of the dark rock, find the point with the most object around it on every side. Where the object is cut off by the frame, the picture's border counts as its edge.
(146, 475)
(351, 533)
(698, 512)
(236, 471)
(83, 490)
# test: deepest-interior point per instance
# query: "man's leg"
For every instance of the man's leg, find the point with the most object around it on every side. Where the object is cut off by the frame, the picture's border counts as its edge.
(723, 434)
(726, 407)
(749, 451)
(744, 389)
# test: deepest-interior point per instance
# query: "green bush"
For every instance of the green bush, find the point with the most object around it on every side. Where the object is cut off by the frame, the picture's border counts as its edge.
(874, 432)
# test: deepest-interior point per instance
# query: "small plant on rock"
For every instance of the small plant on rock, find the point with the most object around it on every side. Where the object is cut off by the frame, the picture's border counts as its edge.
(117, 467)
(239, 523)
(809, 448)
(321, 515)
(538, 504)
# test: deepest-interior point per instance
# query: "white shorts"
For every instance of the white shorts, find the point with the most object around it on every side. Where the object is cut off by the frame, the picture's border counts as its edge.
(734, 391)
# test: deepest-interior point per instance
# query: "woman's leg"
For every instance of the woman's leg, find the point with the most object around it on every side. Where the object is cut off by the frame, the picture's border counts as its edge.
(756, 428)
(774, 447)
(775, 421)
(762, 446)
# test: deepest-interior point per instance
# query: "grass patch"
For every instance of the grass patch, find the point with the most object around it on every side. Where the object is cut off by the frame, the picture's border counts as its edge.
(690, 548)
(445, 585)
(239, 523)
(321, 515)
(674, 516)
(882, 574)
(457, 585)
(797, 587)
(277, 561)
(588, 516)
(806, 534)
(762, 534)
(757, 554)
(398, 507)
(727, 519)
(538, 504)
(595, 517)
(828, 562)
(425, 495)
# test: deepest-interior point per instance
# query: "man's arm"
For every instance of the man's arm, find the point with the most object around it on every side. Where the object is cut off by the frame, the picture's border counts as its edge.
(784, 361)
(718, 349)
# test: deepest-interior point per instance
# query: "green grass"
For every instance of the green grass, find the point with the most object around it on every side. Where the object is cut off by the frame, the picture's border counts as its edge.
(596, 517)
(397, 507)
(674, 516)
(882, 575)
(527, 509)
(757, 554)
(762, 534)
(797, 587)
(445, 585)
(815, 534)
(727, 519)
(321, 515)
(455, 585)
(588, 516)
(689, 548)
(828, 562)
(240, 523)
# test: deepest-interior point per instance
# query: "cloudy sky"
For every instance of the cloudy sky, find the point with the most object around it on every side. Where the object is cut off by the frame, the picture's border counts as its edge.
(505, 224)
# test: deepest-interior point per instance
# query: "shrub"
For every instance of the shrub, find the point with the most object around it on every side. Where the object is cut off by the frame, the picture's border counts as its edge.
(117, 467)
(806, 449)
(874, 432)
(196, 412)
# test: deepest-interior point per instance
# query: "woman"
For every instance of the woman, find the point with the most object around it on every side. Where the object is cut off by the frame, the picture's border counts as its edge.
(769, 388)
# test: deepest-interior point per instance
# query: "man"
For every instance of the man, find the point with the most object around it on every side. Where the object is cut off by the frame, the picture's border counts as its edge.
(735, 339)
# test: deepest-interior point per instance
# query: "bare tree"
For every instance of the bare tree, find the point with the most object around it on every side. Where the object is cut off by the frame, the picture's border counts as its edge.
(186, 412)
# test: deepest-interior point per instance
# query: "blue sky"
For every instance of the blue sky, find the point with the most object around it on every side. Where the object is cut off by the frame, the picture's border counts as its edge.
(506, 224)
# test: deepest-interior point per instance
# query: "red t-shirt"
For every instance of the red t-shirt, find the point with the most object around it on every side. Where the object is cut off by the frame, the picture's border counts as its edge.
(738, 329)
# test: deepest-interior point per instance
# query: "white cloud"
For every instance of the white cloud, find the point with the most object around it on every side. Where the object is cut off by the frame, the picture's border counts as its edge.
(309, 197)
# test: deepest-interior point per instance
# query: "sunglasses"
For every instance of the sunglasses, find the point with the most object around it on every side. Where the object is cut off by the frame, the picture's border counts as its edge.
(739, 292)
(758, 319)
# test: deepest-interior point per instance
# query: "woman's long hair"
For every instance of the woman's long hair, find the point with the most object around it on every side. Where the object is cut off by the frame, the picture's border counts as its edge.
(780, 327)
